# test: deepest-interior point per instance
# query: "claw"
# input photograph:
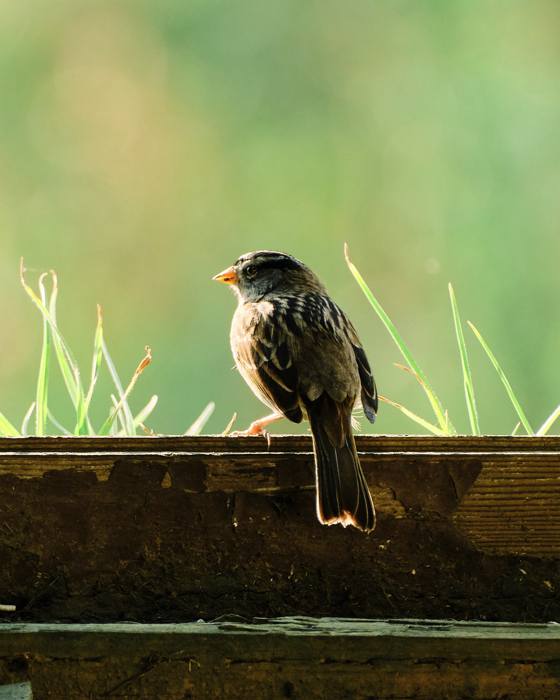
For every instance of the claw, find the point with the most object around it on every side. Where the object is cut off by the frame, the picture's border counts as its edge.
(258, 427)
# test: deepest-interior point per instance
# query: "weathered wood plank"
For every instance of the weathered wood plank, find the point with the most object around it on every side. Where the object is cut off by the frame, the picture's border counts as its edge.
(282, 443)
(514, 506)
(295, 657)
(194, 531)
(16, 691)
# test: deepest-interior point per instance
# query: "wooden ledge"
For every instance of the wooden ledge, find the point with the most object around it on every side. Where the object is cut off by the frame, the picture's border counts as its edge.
(286, 657)
(281, 443)
(175, 528)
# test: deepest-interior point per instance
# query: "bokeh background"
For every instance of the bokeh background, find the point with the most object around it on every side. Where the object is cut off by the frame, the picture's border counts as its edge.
(144, 146)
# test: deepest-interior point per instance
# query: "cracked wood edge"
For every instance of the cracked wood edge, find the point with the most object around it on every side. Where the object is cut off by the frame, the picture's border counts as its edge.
(396, 638)
(283, 443)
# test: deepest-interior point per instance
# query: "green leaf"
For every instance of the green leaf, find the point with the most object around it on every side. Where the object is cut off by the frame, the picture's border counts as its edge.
(129, 422)
(146, 412)
(95, 365)
(229, 426)
(416, 418)
(504, 379)
(26, 420)
(140, 417)
(6, 428)
(41, 399)
(549, 422)
(197, 427)
(122, 404)
(444, 423)
(467, 376)
(66, 361)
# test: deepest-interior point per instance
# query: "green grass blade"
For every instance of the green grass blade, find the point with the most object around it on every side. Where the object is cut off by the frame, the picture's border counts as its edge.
(6, 428)
(111, 425)
(95, 364)
(504, 379)
(549, 422)
(66, 361)
(122, 404)
(514, 431)
(141, 416)
(229, 426)
(467, 375)
(26, 420)
(129, 423)
(68, 365)
(41, 398)
(435, 403)
(430, 427)
(146, 412)
(119, 425)
(197, 427)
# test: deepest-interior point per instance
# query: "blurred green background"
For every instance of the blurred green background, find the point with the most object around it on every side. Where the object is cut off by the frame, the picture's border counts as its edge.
(144, 146)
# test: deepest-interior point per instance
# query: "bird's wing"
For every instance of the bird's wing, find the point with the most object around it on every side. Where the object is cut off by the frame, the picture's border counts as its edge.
(264, 357)
(369, 395)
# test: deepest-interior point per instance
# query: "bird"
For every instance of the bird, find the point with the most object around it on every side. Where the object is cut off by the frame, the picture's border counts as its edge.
(301, 356)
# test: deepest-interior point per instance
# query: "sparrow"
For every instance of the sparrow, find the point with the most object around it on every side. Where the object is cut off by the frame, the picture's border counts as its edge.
(301, 356)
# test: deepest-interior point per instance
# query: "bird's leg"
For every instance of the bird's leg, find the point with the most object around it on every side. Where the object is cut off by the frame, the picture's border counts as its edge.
(258, 427)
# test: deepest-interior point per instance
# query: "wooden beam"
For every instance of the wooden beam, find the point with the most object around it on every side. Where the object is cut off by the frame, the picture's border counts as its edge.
(180, 528)
(290, 657)
(282, 443)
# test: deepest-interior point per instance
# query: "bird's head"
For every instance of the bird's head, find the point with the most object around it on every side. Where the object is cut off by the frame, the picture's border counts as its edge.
(262, 272)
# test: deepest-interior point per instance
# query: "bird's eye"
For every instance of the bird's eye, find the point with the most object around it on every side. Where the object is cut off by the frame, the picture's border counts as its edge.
(250, 271)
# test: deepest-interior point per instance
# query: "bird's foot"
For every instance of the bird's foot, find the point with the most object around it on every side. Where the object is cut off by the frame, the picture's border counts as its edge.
(258, 428)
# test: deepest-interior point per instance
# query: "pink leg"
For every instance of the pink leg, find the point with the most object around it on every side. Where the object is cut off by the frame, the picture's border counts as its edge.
(258, 427)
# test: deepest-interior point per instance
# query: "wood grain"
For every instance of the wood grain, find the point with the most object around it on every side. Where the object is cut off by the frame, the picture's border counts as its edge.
(177, 528)
(282, 443)
(294, 657)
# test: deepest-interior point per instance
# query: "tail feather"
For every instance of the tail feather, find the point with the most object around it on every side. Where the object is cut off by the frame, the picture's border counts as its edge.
(342, 492)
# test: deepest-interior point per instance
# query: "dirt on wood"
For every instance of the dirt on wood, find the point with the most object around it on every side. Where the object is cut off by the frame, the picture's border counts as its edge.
(106, 535)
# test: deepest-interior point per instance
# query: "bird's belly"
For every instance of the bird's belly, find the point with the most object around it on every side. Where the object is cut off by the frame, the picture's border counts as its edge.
(255, 388)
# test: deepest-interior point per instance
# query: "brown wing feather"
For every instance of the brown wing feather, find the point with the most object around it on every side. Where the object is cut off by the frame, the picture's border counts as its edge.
(368, 390)
(268, 368)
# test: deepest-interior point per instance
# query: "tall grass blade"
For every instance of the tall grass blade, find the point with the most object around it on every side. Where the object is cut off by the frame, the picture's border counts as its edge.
(146, 412)
(549, 422)
(120, 391)
(229, 426)
(118, 425)
(435, 403)
(122, 404)
(27, 419)
(467, 375)
(197, 427)
(6, 428)
(67, 364)
(140, 417)
(509, 390)
(95, 365)
(416, 418)
(41, 397)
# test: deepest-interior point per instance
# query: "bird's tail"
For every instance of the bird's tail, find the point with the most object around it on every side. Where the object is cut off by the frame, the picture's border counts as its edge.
(342, 492)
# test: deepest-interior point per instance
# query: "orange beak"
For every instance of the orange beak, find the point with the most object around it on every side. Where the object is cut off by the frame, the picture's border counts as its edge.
(228, 276)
